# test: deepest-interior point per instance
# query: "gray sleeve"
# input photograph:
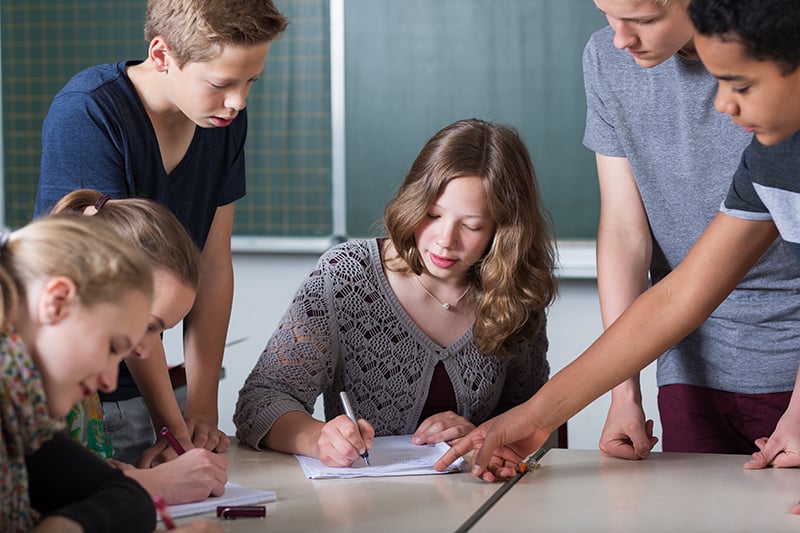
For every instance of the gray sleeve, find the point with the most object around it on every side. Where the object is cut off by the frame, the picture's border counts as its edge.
(296, 365)
(600, 134)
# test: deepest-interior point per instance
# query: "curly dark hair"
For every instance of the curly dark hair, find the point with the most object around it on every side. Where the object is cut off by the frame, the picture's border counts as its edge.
(767, 29)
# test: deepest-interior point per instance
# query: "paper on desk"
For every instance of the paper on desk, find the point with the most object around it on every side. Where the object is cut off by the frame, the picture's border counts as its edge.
(234, 495)
(394, 455)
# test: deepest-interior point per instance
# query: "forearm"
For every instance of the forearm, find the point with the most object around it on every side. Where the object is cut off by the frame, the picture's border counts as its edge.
(294, 432)
(57, 524)
(204, 340)
(624, 240)
(624, 251)
(659, 318)
(205, 330)
(68, 481)
(622, 276)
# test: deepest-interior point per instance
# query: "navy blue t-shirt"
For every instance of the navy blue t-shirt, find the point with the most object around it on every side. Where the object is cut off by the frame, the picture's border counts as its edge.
(98, 135)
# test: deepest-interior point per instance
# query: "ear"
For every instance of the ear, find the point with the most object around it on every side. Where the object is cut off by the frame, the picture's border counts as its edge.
(158, 53)
(57, 295)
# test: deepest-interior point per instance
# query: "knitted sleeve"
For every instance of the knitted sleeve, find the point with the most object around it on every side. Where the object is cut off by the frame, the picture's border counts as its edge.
(295, 366)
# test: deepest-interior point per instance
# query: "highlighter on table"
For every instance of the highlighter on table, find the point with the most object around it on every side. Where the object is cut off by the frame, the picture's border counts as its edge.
(348, 409)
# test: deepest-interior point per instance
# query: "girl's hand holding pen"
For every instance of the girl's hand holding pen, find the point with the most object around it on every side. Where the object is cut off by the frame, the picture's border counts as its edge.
(192, 477)
(340, 444)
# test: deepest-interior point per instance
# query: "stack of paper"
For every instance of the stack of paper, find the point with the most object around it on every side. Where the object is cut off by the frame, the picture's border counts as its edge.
(389, 456)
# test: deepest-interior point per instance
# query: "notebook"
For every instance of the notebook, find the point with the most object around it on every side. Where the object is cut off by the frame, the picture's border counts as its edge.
(234, 495)
(393, 455)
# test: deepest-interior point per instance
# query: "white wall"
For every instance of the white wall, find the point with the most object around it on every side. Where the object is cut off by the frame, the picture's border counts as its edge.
(265, 284)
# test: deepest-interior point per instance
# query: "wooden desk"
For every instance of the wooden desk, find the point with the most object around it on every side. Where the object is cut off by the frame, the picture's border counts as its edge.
(579, 490)
(412, 503)
(574, 490)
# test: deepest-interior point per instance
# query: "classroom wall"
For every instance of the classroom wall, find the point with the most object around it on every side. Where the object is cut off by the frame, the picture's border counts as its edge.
(265, 284)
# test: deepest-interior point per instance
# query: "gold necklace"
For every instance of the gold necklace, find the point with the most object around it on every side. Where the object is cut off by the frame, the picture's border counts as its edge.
(445, 305)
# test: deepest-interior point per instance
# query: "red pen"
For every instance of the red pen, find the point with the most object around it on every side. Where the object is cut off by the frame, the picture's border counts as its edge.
(161, 507)
(172, 441)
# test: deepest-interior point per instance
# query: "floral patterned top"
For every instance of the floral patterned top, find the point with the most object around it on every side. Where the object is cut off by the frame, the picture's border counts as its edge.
(26, 425)
(85, 425)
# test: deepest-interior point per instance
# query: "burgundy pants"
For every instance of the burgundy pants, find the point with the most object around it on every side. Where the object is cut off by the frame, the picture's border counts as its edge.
(702, 420)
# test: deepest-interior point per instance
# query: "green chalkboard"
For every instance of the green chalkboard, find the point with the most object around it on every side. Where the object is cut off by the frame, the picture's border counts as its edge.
(288, 151)
(413, 66)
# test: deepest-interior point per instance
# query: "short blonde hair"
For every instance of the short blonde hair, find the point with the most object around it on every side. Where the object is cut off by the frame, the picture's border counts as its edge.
(197, 30)
(83, 249)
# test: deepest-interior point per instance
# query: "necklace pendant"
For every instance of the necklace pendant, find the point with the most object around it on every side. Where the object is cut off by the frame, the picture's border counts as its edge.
(446, 306)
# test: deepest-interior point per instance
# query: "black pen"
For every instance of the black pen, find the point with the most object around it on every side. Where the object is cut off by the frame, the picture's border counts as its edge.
(348, 409)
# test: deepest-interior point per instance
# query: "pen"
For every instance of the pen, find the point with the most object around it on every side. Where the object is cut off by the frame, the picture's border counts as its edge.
(161, 508)
(348, 409)
(172, 441)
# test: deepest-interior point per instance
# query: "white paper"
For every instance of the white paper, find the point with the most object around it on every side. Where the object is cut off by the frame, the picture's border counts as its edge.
(394, 455)
(234, 495)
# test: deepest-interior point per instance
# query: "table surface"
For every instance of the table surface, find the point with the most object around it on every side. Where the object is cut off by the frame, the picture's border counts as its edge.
(573, 490)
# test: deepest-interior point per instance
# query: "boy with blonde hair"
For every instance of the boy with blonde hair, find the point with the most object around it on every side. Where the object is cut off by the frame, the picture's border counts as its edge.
(170, 128)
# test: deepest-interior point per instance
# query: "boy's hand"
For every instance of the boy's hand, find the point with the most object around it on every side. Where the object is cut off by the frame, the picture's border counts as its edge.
(500, 442)
(205, 434)
(782, 448)
(626, 433)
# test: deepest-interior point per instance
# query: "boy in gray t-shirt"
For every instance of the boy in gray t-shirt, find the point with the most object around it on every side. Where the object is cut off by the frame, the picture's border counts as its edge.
(665, 158)
(751, 48)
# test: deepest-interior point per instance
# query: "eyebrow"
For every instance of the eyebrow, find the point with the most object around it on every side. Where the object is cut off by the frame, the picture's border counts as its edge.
(730, 77)
(635, 18)
(482, 217)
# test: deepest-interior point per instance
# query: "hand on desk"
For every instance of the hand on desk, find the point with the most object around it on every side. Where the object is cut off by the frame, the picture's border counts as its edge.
(192, 477)
(442, 427)
(782, 448)
(205, 434)
(501, 443)
(340, 444)
(626, 433)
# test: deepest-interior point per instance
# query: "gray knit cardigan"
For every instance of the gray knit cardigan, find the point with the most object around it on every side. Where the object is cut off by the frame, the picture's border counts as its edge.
(346, 330)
